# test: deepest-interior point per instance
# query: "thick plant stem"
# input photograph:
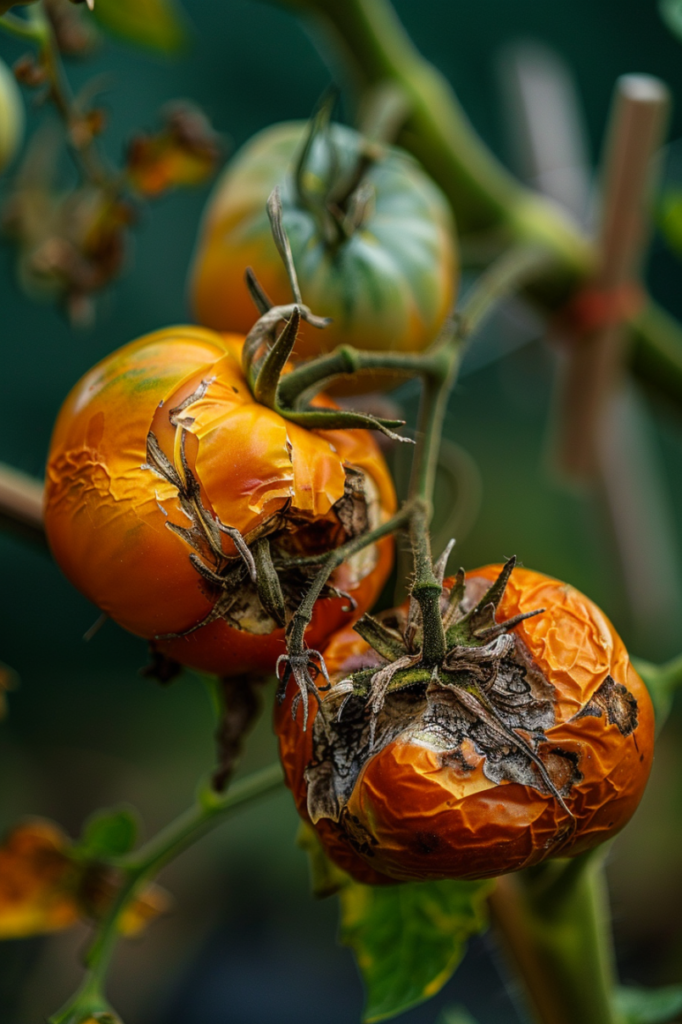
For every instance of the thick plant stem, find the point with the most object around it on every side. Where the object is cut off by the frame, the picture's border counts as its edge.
(375, 48)
(426, 588)
(367, 40)
(554, 922)
(142, 865)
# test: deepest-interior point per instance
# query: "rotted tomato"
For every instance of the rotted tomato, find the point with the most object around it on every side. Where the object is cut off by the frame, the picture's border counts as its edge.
(372, 239)
(533, 738)
(172, 495)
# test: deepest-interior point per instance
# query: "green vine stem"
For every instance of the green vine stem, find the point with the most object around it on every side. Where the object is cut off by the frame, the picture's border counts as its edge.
(37, 29)
(554, 922)
(139, 867)
(368, 43)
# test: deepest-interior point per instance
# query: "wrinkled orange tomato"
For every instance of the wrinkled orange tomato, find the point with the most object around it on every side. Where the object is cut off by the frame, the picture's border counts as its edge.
(556, 764)
(161, 459)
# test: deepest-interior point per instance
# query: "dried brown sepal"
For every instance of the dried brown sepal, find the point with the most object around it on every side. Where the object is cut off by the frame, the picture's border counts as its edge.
(75, 35)
(240, 707)
(184, 152)
(466, 696)
(160, 667)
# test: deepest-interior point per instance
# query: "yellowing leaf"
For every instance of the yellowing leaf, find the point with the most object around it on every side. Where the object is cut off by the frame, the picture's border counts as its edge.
(154, 24)
(151, 902)
(36, 882)
(47, 885)
(409, 938)
(184, 152)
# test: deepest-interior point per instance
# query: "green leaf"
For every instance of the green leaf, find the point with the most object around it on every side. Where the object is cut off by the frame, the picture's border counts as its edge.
(409, 938)
(649, 1006)
(109, 833)
(671, 12)
(456, 1015)
(155, 24)
(669, 218)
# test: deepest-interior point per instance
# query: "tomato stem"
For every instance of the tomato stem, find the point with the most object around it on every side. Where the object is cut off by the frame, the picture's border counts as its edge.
(554, 921)
(505, 275)
(139, 867)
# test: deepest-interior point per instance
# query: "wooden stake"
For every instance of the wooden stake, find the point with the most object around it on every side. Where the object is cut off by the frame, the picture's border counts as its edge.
(596, 355)
(21, 502)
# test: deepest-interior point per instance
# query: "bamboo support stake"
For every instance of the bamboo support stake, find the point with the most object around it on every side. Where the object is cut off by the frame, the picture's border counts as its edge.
(21, 502)
(596, 356)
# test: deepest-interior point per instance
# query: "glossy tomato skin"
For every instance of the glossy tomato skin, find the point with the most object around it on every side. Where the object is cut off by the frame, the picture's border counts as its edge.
(389, 286)
(106, 511)
(420, 815)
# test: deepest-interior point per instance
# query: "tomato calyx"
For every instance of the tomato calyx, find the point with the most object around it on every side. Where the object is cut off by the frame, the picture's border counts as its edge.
(486, 697)
(259, 587)
(266, 353)
(341, 201)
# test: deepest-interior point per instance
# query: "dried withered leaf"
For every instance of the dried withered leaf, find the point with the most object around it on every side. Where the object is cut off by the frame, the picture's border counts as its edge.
(184, 152)
(36, 881)
(44, 887)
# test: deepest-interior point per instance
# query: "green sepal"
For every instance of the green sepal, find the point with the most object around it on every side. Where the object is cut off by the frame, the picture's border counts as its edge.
(407, 677)
(385, 641)
(267, 379)
(648, 1006)
(362, 680)
(267, 582)
(107, 834)
(341, 419)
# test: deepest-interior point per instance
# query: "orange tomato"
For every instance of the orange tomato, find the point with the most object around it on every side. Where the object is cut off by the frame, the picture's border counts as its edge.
(447, 792)
(387, 284)
(161, 449)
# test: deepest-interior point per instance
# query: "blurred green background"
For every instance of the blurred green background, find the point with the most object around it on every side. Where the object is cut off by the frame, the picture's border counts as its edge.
(246, 943)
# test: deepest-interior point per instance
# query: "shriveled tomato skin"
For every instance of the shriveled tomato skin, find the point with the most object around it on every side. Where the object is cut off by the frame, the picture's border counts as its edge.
(424, 819)
(106, 511)
(389, 287)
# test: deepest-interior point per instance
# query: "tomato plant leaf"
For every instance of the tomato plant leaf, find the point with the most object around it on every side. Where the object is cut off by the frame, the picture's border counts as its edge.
(671, 12)
(409, 938)
(649, 1006)
(455, 1015)
(155, 24)
(109, 833)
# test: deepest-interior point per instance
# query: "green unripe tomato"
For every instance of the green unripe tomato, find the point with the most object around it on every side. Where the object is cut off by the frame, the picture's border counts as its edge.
(11, 116)
(388, 282)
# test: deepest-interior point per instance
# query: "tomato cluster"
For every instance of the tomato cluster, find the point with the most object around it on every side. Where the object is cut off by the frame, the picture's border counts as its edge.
(196, 511)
